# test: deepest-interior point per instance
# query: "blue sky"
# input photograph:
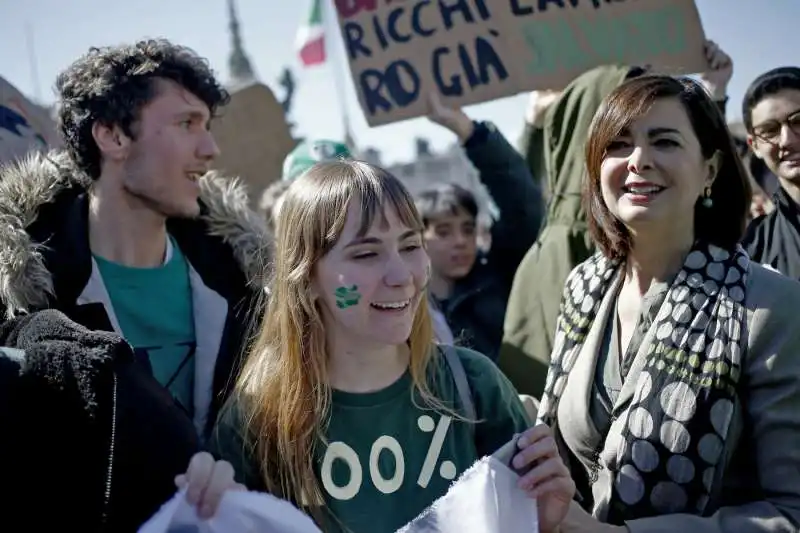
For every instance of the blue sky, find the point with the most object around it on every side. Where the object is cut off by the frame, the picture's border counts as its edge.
(758, 34)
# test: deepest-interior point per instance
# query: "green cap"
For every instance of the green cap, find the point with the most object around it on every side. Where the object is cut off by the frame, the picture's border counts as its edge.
(308, 153)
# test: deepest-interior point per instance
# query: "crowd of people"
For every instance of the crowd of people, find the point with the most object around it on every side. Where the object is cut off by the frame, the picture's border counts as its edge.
(630, 324)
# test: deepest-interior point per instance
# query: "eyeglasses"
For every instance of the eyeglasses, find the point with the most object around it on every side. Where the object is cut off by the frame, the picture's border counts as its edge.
(770, 131)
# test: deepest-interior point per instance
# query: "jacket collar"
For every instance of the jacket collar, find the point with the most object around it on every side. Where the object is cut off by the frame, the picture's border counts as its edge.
(28, 185)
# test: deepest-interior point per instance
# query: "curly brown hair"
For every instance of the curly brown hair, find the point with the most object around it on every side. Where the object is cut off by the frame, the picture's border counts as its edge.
(110, 85)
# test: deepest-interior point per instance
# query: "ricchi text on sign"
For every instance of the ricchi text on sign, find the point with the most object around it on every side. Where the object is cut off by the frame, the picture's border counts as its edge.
(471, 51)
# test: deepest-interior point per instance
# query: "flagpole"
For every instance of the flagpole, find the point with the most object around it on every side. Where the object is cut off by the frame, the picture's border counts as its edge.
(33, 62)
(338, 66)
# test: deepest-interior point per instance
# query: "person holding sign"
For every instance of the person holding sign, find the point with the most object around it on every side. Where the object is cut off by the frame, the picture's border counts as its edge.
(674, 383)
(531, 141)
(557, 146)
(472, 288)
(345, 405)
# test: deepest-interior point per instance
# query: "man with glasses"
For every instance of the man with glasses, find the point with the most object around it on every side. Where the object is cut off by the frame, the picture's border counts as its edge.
(771, 112)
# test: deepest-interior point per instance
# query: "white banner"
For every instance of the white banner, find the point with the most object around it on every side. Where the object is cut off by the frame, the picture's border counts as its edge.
(485, 499)
(238, 512)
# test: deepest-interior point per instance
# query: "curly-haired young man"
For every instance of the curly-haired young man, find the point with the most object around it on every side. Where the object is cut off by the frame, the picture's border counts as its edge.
(128, 231)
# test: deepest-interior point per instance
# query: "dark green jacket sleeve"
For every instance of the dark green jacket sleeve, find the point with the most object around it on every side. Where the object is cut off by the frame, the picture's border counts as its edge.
(722, 106)
(531, 146)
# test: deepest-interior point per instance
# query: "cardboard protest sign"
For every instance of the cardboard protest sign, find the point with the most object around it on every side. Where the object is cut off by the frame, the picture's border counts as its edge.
(253, 138)
(471, 51)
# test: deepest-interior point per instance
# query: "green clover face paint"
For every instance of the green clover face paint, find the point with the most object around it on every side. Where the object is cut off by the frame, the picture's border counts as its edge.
(347, 296)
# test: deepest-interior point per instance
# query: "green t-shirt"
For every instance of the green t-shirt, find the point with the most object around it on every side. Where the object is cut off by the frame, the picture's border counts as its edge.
(154, 309)
(386, 459)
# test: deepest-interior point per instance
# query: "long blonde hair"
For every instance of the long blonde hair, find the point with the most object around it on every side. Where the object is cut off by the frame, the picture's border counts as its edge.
(283, 390)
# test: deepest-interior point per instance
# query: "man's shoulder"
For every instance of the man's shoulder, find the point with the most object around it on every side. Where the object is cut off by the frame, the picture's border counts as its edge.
(11, 364)
(227, 218)
(758, 235)
(759, 225)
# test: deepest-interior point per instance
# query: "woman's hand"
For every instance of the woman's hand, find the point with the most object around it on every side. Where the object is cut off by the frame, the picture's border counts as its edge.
(206, 480)
(549, 481)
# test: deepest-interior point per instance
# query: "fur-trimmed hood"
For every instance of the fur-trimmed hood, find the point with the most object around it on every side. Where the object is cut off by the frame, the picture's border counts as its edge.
(39, 179)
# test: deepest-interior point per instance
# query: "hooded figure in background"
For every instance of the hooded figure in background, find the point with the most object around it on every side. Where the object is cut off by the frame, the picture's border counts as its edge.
(556, 151)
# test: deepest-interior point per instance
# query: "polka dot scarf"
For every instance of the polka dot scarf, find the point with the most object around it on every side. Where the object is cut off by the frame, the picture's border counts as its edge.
(674, 435)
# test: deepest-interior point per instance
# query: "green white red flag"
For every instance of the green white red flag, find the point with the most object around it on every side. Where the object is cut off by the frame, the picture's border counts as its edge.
(311, 37)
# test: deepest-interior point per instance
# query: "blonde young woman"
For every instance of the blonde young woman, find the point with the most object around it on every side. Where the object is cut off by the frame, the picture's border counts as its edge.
(345, 405)
(674, 383)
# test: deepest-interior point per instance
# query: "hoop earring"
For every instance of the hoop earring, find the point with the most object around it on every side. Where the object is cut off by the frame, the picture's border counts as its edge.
(708, 202)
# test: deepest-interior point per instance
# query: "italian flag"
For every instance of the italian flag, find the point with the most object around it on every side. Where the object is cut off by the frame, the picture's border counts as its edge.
(311, 37)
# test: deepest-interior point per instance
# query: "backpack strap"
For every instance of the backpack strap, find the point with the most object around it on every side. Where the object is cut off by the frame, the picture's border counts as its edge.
(462, 384)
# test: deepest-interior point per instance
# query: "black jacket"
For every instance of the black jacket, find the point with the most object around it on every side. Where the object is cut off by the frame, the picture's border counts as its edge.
(774, 239)
(476, 309)
(89, 441)
(46, 262)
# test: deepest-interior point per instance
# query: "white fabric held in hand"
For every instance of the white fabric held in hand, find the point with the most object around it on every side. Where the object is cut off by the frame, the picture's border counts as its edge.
(485, 499)
(238, 512)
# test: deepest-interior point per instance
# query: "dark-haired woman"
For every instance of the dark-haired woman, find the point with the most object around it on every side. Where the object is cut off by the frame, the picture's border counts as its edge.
(674, 387)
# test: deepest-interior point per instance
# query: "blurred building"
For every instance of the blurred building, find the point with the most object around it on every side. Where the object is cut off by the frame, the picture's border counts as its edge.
(252, 131)
(429, 168)
(24, 125)
(253, 138)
